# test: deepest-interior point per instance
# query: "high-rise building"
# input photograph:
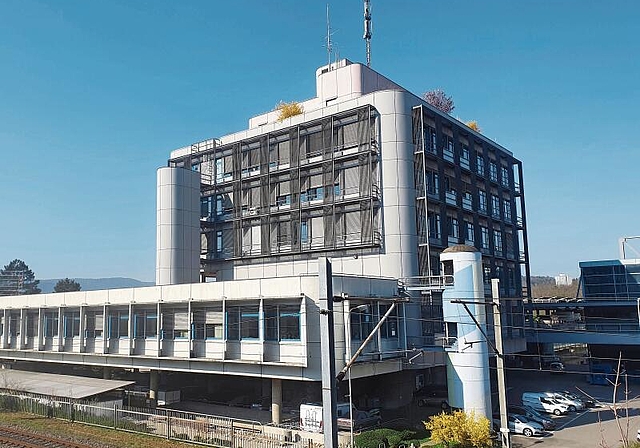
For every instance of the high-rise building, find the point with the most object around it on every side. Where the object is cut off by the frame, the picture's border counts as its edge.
(369, 175)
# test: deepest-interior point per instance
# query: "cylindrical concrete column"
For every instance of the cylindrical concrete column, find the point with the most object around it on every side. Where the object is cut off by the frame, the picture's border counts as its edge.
(276, 400)
(467, 358)
(154, 380)
(178, 226)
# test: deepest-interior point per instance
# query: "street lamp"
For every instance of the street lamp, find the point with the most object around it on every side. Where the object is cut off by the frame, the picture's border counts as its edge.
(363, 307)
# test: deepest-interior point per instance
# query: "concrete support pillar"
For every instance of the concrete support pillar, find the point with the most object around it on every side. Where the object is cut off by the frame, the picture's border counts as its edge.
(106, 373)
(154, 380)
(276, 400)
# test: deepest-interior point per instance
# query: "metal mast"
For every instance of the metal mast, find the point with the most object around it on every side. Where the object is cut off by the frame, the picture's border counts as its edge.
(367, 30)
(329, 46)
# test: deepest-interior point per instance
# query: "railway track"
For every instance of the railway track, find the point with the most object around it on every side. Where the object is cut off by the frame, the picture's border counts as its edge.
(16, 438)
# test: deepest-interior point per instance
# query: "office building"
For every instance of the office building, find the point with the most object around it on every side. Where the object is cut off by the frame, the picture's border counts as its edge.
(368, 175)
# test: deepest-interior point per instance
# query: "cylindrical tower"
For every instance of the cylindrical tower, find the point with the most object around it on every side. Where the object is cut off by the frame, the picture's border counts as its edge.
(467, 358)
(178, 226)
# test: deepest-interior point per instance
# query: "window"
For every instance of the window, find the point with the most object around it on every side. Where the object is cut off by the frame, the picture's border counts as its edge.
(495, 206)
(493, 171)
(208, 323)
(219, 243)
(175, 324)
(504, 176)
(448, 152)
(95, 321)
(14, 325)
(497, 240)
(506, 206)
(145, 324)
(470, 232)
(464, 154)
(480, 165)
(242, 322)
(433, 183)
(219, 205)
(361, 324)
(71, 324)
(283, 193)
(282, 322)
(304, 231)
(279, 150)
(223, 168)
(484, 237)
(389, 328)
(482, 201)
(434, 225)
(32, 325)
(454, 227)
(430, 139)
(50, 324)
(119, 324)
(205, 207)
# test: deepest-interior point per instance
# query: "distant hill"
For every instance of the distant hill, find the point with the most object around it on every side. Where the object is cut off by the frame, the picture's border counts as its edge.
(92, 284)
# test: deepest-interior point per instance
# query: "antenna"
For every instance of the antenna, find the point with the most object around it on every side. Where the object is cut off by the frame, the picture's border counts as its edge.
(367, 30)
(329, 45)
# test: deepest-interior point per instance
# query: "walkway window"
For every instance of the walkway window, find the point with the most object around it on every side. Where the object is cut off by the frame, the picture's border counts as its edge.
(242, 322)
(71, 324)
(119, 324)
(145, 324)
(95, 321)
(50, 324)
(282, 323)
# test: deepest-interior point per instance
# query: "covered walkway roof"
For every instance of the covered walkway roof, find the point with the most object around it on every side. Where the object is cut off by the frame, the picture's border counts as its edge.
(68, 386)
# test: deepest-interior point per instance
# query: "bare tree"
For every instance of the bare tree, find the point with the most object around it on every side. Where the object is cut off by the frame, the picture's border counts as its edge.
(440, 100)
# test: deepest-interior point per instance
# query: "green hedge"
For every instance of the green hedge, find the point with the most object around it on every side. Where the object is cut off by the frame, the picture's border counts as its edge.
(389, 438)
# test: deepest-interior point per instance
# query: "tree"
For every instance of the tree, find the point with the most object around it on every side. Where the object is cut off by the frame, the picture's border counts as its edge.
(29, 284)
(440, 100)
(67, 285)
(460, 429)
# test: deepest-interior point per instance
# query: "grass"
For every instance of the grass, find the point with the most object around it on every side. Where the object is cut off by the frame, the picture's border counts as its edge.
(76, 431)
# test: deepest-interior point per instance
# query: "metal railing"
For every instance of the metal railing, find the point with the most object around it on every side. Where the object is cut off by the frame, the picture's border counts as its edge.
(191, 427)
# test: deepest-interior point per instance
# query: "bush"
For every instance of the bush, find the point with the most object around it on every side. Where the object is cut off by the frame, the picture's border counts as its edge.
(389, 438)
(460, 429)
(288, 110)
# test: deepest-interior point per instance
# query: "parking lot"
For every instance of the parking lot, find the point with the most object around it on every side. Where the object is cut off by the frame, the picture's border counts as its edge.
(594, 427)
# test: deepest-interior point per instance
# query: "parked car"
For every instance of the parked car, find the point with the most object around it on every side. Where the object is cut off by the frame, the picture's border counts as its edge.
(532, 414)
(572, 405)
(541, 402)
(432, 398)
(588, 402)
(519, 424)
(556, 367)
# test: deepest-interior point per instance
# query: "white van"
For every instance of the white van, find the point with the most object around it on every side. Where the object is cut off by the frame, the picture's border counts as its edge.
(541, 402)
(311, 417)
(572, 404)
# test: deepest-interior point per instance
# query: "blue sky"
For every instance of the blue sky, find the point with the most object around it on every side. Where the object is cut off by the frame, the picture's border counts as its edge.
(95, 94)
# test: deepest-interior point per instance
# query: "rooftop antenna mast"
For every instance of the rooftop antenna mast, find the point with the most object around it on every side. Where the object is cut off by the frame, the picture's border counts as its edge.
(367, 30)
(329, 44)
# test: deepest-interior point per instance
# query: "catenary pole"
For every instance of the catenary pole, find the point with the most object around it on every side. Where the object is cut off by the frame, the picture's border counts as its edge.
(502, 386)
(327, 350)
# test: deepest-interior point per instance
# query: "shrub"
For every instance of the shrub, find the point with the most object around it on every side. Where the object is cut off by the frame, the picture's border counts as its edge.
(389, 438)
(460, 429)
(288, 110)
(473, 124)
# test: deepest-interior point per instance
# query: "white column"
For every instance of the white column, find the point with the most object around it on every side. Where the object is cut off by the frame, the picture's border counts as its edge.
(276, 400)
